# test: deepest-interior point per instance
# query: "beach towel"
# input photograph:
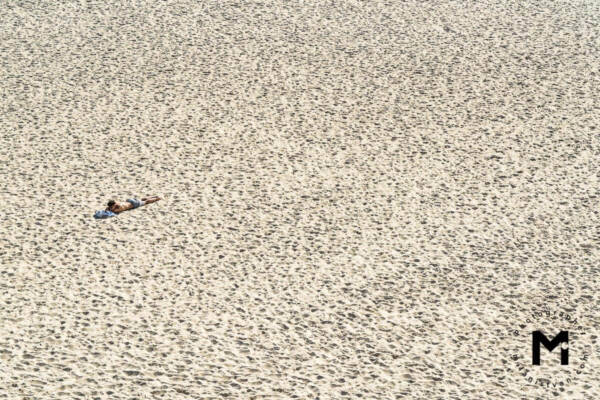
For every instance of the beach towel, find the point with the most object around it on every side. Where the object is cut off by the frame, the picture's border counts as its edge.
(104, 214)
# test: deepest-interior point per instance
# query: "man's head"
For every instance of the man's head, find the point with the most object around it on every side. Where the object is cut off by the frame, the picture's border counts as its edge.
(111, 204)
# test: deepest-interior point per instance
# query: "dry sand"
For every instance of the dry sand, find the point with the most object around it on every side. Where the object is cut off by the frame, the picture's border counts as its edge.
(362, 199)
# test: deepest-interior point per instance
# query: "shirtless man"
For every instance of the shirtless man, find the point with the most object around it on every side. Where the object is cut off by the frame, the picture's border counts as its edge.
(130, 204)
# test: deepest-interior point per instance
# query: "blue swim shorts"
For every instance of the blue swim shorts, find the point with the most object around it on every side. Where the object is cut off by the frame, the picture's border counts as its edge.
(135, 202)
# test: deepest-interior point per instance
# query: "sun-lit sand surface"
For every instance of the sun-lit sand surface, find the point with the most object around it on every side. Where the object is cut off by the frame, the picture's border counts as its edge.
(362, 199)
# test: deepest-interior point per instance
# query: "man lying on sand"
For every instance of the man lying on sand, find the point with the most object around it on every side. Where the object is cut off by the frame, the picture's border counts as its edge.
(113, 208)
(130, 204)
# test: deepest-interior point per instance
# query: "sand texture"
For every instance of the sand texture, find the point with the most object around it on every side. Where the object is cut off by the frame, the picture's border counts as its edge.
(361, 199)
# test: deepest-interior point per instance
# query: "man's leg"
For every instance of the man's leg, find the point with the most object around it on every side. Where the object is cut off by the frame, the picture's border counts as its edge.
(152, 199)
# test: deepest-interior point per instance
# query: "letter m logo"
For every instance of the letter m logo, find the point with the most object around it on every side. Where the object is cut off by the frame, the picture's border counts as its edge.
(540, 338)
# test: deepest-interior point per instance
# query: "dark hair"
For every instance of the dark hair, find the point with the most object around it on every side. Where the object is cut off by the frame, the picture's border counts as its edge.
(111, 203)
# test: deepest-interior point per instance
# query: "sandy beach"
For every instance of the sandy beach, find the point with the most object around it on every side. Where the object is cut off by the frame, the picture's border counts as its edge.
(361, 199)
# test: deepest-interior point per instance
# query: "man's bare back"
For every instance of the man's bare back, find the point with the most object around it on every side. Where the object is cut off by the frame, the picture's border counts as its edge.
(130, 204)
